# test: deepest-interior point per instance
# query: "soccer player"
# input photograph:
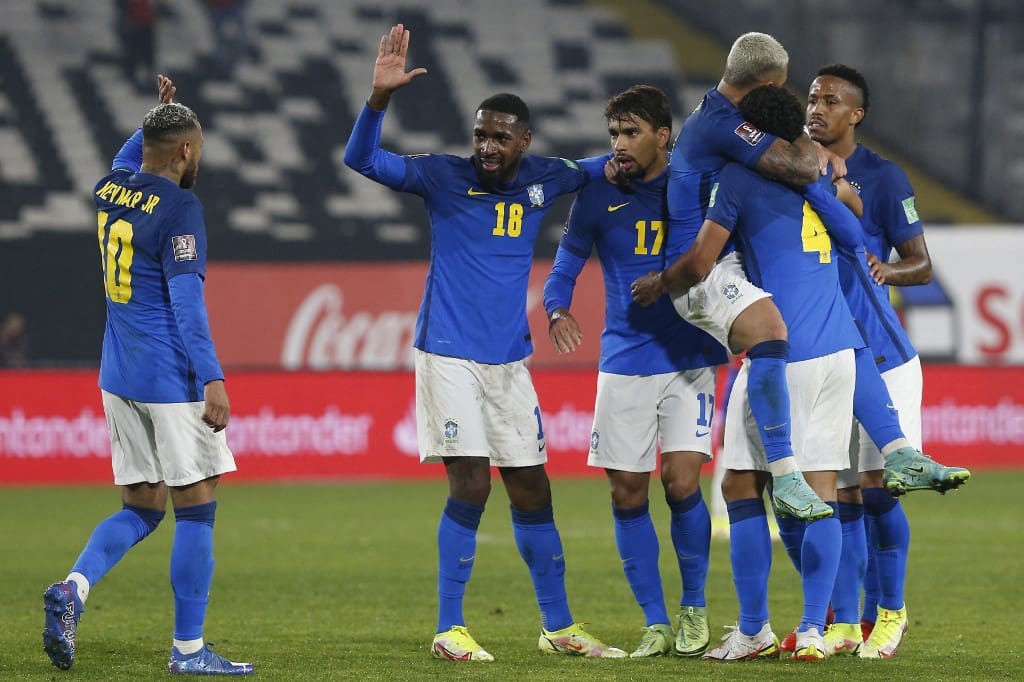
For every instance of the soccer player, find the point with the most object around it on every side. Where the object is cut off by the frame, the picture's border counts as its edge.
(475, 402)
(786, 251)
(162, 386)
(738, 314)
(837, 103)
(657, 377)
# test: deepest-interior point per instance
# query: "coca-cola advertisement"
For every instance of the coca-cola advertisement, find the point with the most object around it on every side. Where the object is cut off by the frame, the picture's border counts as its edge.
(358, 316)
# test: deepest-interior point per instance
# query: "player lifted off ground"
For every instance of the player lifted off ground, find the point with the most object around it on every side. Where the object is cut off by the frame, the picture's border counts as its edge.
(162, 386)
(657, 377)
(475, 402)
(785, 251)
(741, 316)
(837, 104)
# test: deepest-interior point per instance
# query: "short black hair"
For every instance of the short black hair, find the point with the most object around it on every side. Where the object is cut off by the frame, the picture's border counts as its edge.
(165, 122)
(507, 103)
(854, 78)
(774, 110)
(644, 102)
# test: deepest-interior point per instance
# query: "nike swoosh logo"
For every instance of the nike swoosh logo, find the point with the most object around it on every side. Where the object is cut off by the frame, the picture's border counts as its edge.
(466, 560)
(916, 469)
(475, 193)
(612, 209)
(777, 426)
(698, 434)
(557, 557)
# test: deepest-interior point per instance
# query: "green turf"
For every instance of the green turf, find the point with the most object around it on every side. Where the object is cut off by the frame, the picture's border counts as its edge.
(336, 582)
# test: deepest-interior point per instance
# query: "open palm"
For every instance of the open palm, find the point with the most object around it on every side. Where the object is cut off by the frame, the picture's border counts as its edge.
(389, 72)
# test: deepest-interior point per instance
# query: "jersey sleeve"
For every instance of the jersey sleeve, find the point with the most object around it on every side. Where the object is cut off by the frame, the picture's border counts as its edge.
(129, 157)
(737, 140)
(364, 154)
(897, 207)
(726, 198)
(593, 166)
(183, 245)
(189, 308)
(838, 219)
(572, 254)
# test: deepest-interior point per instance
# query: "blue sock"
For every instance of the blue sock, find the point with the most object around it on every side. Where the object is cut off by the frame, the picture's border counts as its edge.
(192, 568)
(112, 538)
(750, 551)
(768, 396)
(892, 543)
(872, 405)
(456, 553)
(852, 563)
(791, 532)
(869, 611)
(691, 538)
(819, 562)
(541, 548)
(638, 549)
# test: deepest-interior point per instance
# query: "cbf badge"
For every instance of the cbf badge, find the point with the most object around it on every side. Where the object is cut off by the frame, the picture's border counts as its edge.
(595, 440)
(536, 193)
(451, 432)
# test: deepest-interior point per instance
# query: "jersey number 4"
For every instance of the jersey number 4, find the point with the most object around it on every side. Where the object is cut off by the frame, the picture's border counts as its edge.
(116, 255)
(815, 236)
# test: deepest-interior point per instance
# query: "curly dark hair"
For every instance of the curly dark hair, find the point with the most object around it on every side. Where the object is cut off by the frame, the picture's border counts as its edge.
(165, 122)
(774, 110)
(644, 102)
(854, 78)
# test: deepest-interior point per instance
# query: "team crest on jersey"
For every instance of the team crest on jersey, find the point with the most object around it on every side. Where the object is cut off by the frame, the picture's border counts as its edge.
(730, 291)
(184, 247)
(595, 440)
(750, 133)
(451, 431)
(536, 193)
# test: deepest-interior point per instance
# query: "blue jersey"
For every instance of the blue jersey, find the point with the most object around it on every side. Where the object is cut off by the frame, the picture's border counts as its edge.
(628, 228)
(890, 218)
(714, 134)
(150, 230)
(787, 252)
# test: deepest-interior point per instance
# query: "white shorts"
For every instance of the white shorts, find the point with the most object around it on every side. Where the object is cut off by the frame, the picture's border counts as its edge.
(906, 385)
(471, 409)
(820, 407)
(631, 412)
(714, 303)
(169, 442)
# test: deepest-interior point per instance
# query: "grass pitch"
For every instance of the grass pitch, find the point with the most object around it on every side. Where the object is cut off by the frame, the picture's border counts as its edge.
(337, 582)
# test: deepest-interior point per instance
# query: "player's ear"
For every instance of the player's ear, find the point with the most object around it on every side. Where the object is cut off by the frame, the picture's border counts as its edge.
(524, 142)
(664, 135)
(857, 115)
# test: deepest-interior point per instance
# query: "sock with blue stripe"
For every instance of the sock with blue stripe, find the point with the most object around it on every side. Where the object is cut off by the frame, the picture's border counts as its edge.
(750, 551)
(691, 538)
(768, 396)
(541, 548)
(637, 542)
(456, 553)
(819, 562)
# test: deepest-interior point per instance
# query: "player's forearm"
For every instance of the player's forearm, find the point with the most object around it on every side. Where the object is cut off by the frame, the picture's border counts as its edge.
(364, 155)
(379, 99)
(910, 271)
(561, 283)
(186, 292)
(794, 163)
(686, 271)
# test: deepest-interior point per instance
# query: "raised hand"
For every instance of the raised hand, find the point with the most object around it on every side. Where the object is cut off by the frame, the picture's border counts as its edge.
(389, 72)
(165, 89)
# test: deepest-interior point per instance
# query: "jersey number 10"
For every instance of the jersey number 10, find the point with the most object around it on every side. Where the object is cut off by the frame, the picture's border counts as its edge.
(116, 254)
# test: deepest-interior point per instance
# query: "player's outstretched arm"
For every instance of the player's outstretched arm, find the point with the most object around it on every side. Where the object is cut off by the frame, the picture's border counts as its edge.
(389, 72)
(685, 271)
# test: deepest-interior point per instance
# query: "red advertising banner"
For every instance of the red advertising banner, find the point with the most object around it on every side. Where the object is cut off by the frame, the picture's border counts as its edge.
(352, 425)
(353, 316)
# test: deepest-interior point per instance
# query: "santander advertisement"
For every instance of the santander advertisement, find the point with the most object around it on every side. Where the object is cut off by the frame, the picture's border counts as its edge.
(361, 425)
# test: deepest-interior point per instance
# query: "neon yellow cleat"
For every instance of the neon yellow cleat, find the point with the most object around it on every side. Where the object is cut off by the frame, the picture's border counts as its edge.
(885, 638)
(692, 634)
(575, 641)
(457, 644)
(843, 638)
(656, 641)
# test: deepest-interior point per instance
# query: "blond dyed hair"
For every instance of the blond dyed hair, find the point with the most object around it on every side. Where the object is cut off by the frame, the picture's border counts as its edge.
(753, 58)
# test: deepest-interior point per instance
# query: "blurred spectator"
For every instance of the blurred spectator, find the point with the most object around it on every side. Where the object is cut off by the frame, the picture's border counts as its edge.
(14, 341)
(230, 37)
(136, 24)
